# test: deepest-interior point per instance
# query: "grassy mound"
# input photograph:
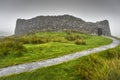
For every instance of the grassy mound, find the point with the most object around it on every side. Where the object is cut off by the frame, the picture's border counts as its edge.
(45, 45)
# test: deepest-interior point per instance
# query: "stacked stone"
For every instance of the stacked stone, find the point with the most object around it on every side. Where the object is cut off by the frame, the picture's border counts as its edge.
(60, 23)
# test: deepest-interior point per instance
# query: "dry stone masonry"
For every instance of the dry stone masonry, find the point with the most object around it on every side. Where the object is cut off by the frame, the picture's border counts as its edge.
(61, 23)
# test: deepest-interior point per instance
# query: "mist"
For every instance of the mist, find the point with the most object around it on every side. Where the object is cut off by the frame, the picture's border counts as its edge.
(88, 10)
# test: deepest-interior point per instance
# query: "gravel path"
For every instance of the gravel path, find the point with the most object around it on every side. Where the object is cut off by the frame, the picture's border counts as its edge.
(35, 65)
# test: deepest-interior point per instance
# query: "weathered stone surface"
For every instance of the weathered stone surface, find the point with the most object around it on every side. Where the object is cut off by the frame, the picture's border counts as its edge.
(60, 23)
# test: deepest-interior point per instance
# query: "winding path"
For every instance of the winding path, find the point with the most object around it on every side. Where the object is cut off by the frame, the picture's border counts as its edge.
(35, 65)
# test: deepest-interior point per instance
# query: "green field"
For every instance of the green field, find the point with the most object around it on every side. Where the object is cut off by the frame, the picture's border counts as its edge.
(104, 65)
(45, 45)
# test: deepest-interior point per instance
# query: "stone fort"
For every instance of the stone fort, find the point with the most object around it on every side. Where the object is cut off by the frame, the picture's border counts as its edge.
(61, 23)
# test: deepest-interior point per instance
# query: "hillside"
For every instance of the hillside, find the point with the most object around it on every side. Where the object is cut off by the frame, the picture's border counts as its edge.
(101, 66)
(45, 45)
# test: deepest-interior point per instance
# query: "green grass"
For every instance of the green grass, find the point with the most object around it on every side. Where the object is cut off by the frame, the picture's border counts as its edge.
(100, 66)
(48, 45)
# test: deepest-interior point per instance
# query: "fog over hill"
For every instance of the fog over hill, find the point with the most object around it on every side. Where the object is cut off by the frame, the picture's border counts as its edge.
(3, 33)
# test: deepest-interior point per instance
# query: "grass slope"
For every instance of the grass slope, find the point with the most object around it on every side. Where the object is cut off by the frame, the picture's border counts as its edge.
(101, 66)
(46, 45)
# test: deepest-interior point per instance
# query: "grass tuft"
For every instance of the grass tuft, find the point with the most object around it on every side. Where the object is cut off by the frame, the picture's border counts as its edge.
(11, 46)
(80, 42)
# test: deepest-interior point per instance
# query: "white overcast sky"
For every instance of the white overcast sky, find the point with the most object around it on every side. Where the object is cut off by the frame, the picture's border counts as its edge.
(88, 10)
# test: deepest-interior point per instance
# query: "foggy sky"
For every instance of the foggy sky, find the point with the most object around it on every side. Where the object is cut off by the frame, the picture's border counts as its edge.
(88, 10)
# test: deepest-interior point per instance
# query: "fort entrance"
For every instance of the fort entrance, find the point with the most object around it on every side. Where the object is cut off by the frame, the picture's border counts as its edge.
(99, 31)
